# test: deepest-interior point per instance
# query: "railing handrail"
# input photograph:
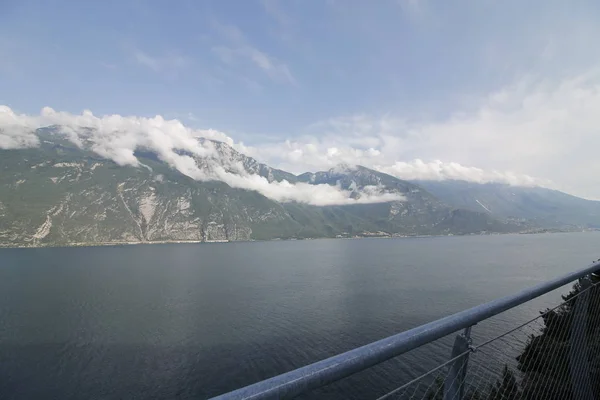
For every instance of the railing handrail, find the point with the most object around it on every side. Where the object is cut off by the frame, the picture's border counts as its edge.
(324, 372)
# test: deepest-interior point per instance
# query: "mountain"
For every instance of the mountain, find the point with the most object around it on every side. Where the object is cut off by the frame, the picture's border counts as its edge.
(421, 212)
(58, 194)
(235, 161)
(543, 207)
(61, 194)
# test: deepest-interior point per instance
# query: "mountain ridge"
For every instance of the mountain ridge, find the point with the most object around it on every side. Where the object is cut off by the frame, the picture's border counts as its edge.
(62, 194)
(545, 207)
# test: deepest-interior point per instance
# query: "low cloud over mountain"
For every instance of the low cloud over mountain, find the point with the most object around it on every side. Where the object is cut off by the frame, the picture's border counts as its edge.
(118, 138)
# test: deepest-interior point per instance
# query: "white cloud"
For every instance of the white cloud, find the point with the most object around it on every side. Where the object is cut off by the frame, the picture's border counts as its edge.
(540, 129)
(239, 49)
(274, 10)
(150, 62)
(311, 154)
(277, 71)
(169, 64)
(319, 195)
(380, 152)
(117, 138)
(15, 130)
(439, 171)
(531, 132)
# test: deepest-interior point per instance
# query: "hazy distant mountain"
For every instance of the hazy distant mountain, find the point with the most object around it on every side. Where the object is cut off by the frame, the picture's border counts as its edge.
(421, 212)
(60, 194)
(544, 207)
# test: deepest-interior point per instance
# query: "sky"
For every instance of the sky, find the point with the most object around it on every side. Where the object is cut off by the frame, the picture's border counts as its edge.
(505, 91)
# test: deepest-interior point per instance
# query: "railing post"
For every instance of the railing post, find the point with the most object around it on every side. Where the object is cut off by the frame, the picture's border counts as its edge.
(454, 386)
(578, 363)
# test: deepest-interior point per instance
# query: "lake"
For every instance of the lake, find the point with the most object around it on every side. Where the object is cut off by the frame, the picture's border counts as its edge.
(190, 321)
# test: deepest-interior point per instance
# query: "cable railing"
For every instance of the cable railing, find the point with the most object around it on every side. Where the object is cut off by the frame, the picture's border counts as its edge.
(553, 355)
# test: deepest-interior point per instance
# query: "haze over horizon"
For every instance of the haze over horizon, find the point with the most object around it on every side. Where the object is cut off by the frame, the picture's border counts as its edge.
(482, 91)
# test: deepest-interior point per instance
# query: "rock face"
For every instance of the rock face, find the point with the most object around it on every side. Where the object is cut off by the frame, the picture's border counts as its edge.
(59, 194)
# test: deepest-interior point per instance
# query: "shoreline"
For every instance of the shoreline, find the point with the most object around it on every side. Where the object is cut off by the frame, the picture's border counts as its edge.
(107, 244)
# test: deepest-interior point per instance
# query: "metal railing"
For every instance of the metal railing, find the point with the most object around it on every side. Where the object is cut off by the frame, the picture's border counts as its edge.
(454, 383)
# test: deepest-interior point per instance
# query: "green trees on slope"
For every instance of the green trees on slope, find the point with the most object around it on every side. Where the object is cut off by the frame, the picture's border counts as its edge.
(545, 363)
(544, 370)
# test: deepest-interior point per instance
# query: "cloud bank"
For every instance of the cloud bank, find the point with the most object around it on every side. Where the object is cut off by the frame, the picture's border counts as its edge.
(439, 171)
(529, 133)
(117, 138)
(532, 132)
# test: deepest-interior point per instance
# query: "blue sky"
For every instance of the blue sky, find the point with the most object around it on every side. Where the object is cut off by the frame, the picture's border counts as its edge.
(327, 58)
(334, 74)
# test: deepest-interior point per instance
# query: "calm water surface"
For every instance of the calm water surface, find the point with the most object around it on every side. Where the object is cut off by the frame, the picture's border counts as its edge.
(193, 321)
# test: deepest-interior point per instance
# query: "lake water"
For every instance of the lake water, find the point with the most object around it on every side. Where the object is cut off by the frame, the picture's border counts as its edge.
(192, 321)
